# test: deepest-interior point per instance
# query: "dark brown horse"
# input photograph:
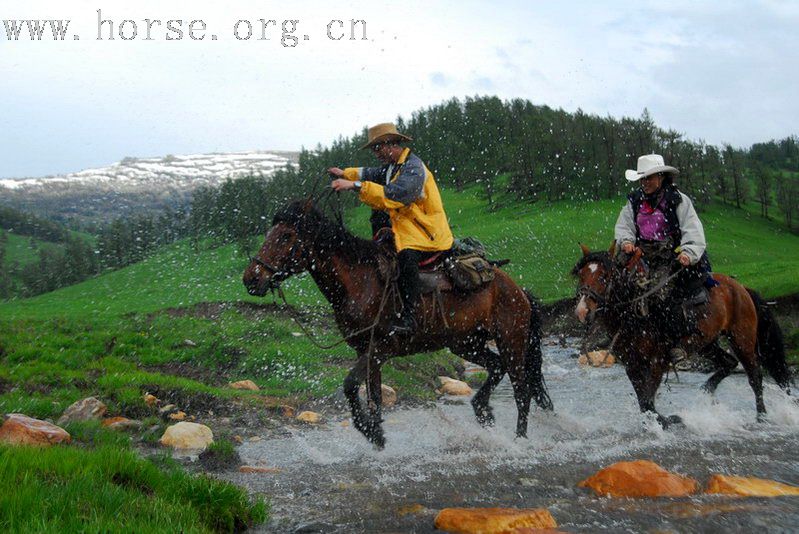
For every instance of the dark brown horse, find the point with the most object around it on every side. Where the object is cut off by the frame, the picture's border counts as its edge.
(607, 291)
(346, 269)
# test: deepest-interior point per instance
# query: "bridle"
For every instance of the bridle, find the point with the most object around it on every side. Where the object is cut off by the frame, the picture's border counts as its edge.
(278, 274)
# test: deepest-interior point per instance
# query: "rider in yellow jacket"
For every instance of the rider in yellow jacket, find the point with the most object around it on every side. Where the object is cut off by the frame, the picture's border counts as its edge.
(406, 190)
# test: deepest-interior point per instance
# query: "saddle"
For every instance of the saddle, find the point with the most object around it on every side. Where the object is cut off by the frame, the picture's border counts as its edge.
(442, 272)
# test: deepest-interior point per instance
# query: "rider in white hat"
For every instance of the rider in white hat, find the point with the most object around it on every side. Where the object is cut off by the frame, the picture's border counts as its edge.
(662, 221)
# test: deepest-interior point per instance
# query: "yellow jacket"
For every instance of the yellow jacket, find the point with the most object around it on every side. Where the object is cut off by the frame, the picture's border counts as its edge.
(412, 200)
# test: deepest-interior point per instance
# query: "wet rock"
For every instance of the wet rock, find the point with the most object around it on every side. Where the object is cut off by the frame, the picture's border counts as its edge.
(178, 416)
(254, 439)
(83, 410)
(749, 487)
(287, 411)
(185, 435)
(258, 469)
(597, 358)
(238, 439)
(493, 520)
(248, 385)
(388, 393)
(120, 423)
(20, 429)
(150, 400)
(309, 417)
(639, 478)
(450, 386)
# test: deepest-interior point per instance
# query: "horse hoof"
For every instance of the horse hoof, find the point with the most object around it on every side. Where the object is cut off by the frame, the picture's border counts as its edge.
(674, 420)
(485, 418)
(670, 420)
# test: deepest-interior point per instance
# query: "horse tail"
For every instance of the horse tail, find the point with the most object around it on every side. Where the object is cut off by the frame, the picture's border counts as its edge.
(770, 345)
(533, 358)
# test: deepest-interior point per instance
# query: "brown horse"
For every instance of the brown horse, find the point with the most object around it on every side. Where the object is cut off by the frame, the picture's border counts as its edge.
(346, 269)
(608, 291)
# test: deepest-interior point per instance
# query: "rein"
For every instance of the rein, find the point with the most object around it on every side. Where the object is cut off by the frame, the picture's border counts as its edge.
(296, 317)
(390, 284)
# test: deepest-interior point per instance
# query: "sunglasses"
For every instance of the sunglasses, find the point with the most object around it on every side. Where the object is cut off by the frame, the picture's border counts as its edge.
(376, 147)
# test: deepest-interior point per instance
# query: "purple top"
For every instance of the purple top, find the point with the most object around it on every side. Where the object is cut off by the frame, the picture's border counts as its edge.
(652, 222)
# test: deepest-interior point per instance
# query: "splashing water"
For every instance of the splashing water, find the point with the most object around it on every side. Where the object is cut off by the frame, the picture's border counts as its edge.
(441, 457)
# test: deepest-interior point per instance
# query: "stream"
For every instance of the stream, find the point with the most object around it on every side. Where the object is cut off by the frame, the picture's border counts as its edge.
(330, 479)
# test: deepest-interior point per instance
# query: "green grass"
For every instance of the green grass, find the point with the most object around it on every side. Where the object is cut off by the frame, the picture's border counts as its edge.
(110, 489)
(49, 363)
(180, 325)
(540, 239)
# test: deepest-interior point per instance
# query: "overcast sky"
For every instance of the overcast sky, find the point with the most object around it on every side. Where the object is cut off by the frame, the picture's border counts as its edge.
(723, 72)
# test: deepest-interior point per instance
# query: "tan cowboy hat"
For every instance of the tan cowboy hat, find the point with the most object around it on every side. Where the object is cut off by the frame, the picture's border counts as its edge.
(649, 165)
(385, 131)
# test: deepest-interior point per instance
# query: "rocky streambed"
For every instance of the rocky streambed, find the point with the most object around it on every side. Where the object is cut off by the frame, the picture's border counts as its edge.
(327, 478)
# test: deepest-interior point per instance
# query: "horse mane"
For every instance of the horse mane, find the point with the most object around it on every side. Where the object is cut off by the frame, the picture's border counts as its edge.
(601, 256)
(327, 236)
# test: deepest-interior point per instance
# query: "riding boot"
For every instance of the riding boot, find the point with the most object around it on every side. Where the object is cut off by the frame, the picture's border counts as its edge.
(408, 284)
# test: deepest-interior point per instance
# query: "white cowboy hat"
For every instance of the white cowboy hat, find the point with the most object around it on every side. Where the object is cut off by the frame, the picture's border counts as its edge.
(649, 165)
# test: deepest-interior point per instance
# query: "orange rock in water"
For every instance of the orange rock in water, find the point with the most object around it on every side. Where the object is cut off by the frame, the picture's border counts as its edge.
(640, 478)
(20, 429)
(749, 487)
(493, 520)
(597, 358)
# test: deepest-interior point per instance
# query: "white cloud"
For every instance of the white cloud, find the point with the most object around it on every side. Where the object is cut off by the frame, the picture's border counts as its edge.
(724, 73)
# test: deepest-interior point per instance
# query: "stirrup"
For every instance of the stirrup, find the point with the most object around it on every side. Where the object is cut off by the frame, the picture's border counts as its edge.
(677, 354)
(403, 325)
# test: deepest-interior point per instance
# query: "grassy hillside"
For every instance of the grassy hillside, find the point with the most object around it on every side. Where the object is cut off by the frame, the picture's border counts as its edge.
(24, 250)
(540, 240)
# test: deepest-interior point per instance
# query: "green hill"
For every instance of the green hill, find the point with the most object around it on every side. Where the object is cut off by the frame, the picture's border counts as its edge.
(126, 328)
(541, 240)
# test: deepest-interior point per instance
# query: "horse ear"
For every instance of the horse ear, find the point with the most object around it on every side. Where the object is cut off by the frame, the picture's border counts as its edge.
(585, 249)
(612, 249)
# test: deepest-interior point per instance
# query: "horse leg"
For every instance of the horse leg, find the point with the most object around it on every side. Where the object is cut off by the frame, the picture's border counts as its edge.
(374, 426)
(725, 363)
(368, 425)
(645, 378)
(512, 351)
(496, 371)
(351, 384)
(745, 351)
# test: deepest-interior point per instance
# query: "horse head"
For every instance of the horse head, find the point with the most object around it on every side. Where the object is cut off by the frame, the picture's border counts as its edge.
(284, 252)
(593, 272)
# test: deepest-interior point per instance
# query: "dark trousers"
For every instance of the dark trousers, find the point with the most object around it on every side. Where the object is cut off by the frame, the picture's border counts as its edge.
(408, 280)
